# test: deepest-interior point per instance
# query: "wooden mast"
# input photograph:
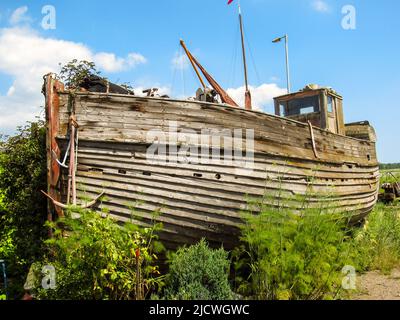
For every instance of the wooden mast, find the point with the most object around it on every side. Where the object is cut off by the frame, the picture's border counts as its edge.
(247, 93)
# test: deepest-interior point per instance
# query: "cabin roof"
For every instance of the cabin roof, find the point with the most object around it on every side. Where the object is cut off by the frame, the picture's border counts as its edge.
(307, 90)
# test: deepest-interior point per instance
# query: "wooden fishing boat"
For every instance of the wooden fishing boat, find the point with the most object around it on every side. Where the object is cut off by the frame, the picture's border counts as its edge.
(294, 153)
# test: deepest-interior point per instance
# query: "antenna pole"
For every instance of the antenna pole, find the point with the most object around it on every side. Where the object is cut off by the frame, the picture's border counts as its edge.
(287, 63)
(247, 94)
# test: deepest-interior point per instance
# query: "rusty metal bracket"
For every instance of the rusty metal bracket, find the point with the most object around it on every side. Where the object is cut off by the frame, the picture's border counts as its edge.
(72, 121)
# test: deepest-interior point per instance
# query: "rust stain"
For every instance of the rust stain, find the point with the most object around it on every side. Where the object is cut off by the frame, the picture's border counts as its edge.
(52, 114)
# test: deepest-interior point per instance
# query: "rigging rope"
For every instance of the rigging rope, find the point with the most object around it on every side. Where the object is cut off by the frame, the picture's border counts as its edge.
(182, 71)
(252, 56)
(180, 63)
(233, 64)
(174, 70)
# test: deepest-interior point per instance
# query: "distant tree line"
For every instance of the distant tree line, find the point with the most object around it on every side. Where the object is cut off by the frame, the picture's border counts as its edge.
(389, 166)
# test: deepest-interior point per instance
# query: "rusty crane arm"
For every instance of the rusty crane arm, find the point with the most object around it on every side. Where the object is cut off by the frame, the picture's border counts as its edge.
(222, 93)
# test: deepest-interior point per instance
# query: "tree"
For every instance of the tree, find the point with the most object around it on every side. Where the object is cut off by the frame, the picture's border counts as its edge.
(22, 176)
(75, 72)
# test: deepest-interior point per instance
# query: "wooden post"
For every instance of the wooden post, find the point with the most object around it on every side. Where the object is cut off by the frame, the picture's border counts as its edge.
(52, 87)
(139, 295)
(72, 164)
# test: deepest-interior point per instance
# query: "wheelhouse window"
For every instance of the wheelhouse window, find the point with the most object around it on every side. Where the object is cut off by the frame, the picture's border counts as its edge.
(282, 109)
(303, 106)
(330, 104)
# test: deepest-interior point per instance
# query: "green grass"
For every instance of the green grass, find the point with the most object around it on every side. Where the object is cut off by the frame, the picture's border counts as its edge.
(377, 244)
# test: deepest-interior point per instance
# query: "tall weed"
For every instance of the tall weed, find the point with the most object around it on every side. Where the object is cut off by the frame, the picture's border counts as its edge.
(377, 244)
(291, 254)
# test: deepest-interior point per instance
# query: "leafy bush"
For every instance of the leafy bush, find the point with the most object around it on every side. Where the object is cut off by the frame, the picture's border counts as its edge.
(286, 255)
(7, 246)
(199, 273)
(74, 72)
(96, 258)
(22, 207)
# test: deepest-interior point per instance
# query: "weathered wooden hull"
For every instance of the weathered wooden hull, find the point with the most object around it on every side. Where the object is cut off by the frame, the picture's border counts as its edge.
(198, 200)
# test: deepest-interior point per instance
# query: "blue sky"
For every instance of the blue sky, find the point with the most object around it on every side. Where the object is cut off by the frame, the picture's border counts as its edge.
(138, 42)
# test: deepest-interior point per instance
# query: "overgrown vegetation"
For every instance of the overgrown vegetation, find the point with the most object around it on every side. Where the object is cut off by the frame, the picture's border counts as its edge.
(75, 72)
(96, 258)
(22, 207)
(377, 244)
(199, 273)
(293, 256)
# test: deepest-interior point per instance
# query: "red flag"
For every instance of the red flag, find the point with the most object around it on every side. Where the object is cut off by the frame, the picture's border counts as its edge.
(230, 1)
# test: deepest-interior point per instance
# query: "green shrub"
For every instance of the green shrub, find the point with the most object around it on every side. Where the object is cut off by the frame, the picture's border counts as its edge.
(292, 256)
(74, 72)
(199, 273)
(7, 246)
(95, 258)
(22, 207)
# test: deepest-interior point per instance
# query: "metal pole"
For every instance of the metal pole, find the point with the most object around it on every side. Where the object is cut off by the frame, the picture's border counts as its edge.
(287, 63)
(243, 50)
(247, 95)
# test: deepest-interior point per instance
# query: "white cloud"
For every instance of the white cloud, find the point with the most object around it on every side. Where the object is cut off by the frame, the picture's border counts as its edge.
(133, 59)
(25, 56)
(20, 16)
(180, 61)
(262, 96)
(109, 62)
(321, 6)
(275, 79)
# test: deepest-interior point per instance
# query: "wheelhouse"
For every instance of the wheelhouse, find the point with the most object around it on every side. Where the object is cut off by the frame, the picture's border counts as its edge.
(323, 107)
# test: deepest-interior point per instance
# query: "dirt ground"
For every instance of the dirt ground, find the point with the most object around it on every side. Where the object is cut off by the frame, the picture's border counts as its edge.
(376, 286)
